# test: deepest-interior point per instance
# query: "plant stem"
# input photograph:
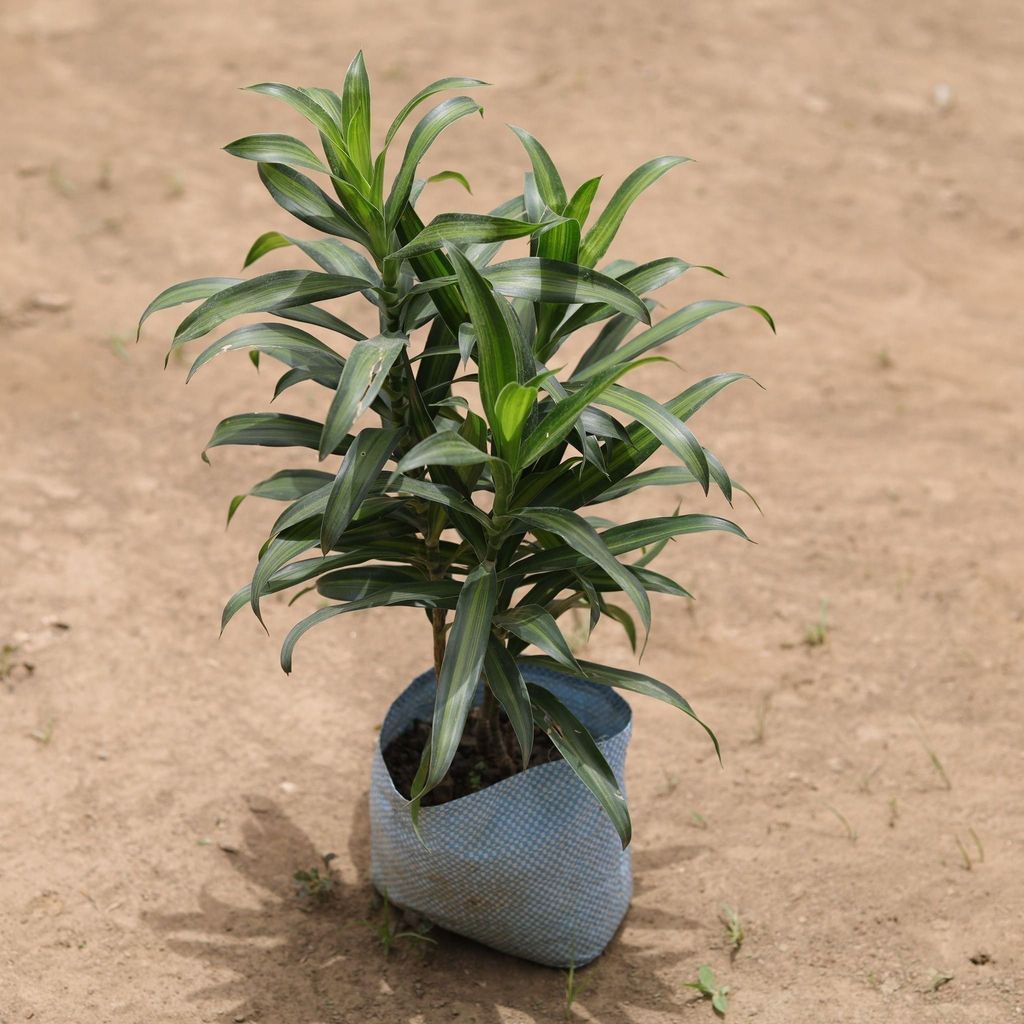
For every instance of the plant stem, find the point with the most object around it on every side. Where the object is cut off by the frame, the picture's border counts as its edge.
(489, 739)
(437, 623)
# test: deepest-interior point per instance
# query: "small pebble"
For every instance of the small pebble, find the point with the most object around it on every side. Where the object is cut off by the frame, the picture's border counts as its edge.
(288, 787)
(942, 95)
(50, 302)
(228, 848)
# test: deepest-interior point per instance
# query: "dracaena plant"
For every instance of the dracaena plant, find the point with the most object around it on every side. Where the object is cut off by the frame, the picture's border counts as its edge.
(470, 510)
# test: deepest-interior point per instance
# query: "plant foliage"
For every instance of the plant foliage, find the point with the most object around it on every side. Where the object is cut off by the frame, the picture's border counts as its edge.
(472, 511)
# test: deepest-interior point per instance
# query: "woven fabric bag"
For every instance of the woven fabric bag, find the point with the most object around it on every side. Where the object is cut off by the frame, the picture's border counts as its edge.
(531, 865)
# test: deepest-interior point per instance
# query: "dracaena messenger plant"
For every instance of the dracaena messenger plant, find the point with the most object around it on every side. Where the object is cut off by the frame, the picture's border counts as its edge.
(477, 517)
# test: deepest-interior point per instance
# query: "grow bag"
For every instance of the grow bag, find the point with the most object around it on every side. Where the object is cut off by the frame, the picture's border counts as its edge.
(531, 865)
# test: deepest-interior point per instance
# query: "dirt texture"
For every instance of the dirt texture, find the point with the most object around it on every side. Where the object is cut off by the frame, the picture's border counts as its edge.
(859, 174)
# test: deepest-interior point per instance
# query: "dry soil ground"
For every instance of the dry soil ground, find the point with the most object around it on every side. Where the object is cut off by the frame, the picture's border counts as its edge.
(860, 171)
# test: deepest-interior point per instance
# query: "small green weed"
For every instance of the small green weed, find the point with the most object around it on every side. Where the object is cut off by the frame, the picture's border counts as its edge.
(933, 757)
(851, 832)
(44, 734)
(11, 663)
(817, 633)
(734, 931)
(761, 723)
(314, 885)
(707, 985)
(573, 988)
(387, 932)
(970, 860)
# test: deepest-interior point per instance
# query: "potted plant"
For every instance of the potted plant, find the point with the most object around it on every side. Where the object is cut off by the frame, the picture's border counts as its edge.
(458, 453)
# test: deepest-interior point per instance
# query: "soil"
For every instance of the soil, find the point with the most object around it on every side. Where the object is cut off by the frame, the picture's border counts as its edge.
(474, 767)
(859, 170)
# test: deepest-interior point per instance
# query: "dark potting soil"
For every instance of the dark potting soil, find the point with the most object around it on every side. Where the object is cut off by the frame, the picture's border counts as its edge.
(471, 771)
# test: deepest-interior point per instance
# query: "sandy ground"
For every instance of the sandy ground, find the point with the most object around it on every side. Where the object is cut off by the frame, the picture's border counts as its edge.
(859, 174)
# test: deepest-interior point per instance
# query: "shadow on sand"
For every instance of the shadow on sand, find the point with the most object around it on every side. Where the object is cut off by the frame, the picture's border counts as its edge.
(290, 964)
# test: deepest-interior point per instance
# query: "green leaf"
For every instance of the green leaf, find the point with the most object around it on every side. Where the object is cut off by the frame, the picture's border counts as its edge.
(362, 463)
(309, 203)
(439, 494)
(578, 208)
(355, 112)
(186, 291)
(513, 408)
(639, 281)
(608, 339)
(667, 428)
(267, 242)
(545, 174)
(534, 625)
(558, 423)
(269, 430)
(460, 670)
(445, 448)
(462, 229)
(265, 294)
(574, 742)
(599, 237)
(337, 258)
(450, 176)
(635, 682)
(425, 594)
(624, 619)
(441, 85)
(582, 537)
(285, 485)
(289, 576)
(362, 581)
(272, 148)
(314, 112)
(544, 280)
(319, 318)
(365, 372)
(423, 136)
(621, 539)
(278, 553)
(672, 326)
(507, 684)
(482, 254)
(498, 354)
(288, 345)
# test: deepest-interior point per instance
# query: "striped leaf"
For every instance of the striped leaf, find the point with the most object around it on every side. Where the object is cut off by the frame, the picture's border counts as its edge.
(463, 229)
(534, 625)
(498, 353)
(363, 462)
(671, 327)
(506, 682)
(309, 203)
(583, 538)
(266, 294)
(600, 236)
(422, 138)
(441, 85)
(574, 742)
(460, 671)
(365, 371)
(288, 345)
(275, 149)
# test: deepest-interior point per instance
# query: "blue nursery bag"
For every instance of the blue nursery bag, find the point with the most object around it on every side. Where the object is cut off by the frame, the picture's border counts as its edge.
(531, 865)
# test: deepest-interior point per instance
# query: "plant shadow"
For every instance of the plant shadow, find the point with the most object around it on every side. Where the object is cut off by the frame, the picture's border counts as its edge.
(289, 962)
